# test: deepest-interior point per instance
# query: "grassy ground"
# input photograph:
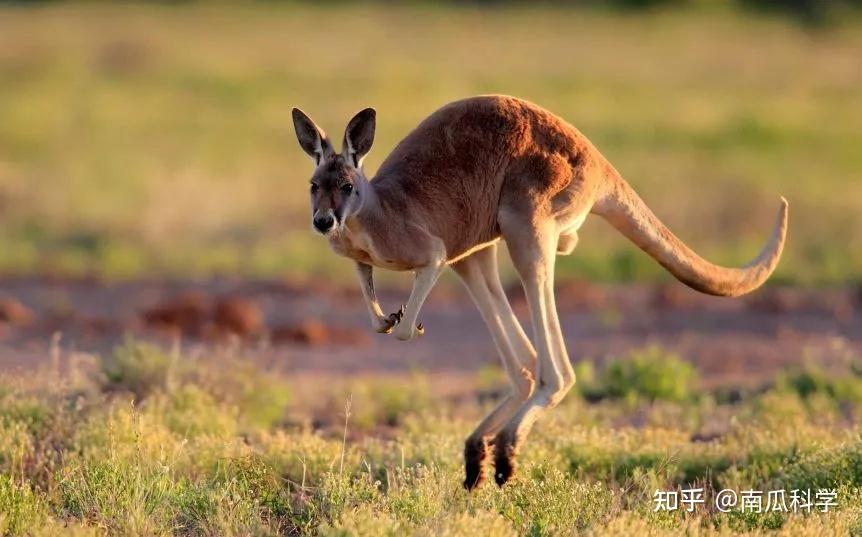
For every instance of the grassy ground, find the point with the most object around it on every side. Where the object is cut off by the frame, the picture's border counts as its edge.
(157, 139)
(153, 443)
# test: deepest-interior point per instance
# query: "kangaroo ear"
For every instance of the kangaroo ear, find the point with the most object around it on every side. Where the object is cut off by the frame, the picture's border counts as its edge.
(358, 136)
(311, 138)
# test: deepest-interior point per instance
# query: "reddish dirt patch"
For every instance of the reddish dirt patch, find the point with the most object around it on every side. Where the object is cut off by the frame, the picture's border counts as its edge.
(199, 316)
(186, 314)
(323, 327)
(238, 316)
(315, 332)
(13, 312)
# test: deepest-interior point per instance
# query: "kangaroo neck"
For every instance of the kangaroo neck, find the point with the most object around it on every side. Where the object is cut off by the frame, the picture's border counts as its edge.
(373, 211)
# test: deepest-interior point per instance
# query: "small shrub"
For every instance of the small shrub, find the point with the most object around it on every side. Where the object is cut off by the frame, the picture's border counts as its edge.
(547, 502)
(139, 368)
(244, 497)
(131, 497)
(36, 425)
(190, 411)
(810, 379)
(746, 521)
(361, 521)
(31, 411)
(376, 402)
(302, 457)
(21, 509)
(624, 464)
(648, 374)
(824, 468)
(260, 398)
(16, 445)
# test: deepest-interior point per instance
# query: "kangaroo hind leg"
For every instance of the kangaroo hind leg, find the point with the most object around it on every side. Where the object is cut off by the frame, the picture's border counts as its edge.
(480, 275)
(532, 245)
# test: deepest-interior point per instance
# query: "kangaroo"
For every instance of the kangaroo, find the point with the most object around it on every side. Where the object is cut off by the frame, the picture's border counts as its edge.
(476, 171)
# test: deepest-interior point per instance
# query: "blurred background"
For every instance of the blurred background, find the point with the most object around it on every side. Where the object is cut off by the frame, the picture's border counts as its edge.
(150, 176)
(156, 139)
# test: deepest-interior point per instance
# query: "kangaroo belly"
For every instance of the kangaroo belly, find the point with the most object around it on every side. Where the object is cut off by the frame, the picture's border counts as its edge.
(470, 251)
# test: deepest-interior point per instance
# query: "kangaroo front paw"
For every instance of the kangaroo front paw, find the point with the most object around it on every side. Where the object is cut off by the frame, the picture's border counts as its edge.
(386, 324)
(406, 332)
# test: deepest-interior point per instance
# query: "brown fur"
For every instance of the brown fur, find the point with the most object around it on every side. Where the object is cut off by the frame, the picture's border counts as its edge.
(475, 171)
(471, 157)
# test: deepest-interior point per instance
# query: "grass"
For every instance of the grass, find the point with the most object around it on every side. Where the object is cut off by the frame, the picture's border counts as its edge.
(87, 455)
(156, 139)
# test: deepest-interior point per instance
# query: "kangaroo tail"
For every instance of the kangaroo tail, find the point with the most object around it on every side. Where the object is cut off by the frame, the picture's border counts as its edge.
(627, 212)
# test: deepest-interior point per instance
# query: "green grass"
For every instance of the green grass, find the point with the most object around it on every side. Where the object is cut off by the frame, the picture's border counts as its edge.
(190, 456)
(154, 139)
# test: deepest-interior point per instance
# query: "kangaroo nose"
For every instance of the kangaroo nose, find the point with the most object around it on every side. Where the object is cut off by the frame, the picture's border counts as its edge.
(324, 223)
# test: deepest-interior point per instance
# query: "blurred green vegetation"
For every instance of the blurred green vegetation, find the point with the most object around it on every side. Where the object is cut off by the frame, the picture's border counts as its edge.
(156, 139)
(810, 380)
(649, 374)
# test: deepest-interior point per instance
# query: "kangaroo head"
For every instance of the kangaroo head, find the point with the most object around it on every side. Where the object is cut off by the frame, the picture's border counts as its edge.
(338, 183)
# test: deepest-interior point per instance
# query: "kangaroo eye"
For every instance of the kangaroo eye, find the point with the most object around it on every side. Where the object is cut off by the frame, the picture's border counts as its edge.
(314, 188)
(347, 188)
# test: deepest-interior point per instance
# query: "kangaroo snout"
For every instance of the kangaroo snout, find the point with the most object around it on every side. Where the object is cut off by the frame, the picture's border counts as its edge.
(323, 222)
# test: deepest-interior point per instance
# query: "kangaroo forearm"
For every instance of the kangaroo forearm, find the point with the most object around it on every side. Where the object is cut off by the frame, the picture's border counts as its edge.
(366, 284)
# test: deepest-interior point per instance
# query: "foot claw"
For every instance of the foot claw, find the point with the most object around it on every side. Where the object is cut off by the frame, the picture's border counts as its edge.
(420, 329)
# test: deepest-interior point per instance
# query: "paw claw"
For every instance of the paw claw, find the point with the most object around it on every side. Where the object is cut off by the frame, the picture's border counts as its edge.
(420, 329)
(385, 328)
(389, 322)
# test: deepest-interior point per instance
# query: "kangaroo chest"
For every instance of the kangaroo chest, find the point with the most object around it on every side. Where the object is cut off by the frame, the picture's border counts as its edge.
(359, 246)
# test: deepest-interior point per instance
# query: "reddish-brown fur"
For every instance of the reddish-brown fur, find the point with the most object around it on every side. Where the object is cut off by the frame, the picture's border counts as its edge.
(465, 161)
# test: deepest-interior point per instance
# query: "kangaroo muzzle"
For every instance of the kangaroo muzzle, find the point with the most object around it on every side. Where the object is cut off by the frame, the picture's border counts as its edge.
(324, 222)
